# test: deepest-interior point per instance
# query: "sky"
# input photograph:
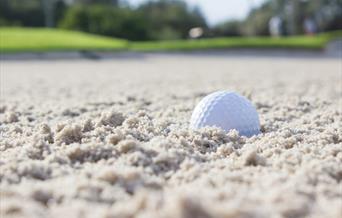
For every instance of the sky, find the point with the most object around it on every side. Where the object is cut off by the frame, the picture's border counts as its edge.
(217, 11)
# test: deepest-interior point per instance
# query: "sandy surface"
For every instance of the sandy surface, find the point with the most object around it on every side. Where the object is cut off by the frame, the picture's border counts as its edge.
(110, 138)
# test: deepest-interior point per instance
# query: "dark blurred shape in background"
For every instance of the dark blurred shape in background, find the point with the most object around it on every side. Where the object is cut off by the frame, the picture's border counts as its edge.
(171, 19)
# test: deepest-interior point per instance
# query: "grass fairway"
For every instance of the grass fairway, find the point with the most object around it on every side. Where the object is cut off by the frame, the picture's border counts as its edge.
(47, 40)
(42, 39)
(300, 42)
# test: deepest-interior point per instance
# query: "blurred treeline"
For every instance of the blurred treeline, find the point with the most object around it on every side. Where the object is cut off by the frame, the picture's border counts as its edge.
(326, 15)
(165, 19)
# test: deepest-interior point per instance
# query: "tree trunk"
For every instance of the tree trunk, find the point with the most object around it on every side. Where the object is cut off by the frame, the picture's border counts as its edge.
(48, 7)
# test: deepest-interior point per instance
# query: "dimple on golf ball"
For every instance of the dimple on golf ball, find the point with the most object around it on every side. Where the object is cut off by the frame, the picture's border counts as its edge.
(226, 110)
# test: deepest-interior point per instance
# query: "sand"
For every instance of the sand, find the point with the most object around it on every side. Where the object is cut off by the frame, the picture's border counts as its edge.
(110, 138)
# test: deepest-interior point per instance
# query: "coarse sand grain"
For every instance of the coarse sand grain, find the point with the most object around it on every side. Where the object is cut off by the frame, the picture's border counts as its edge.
(110, 138)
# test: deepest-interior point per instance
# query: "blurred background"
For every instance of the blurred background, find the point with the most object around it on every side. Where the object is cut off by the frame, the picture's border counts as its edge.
(143, 20)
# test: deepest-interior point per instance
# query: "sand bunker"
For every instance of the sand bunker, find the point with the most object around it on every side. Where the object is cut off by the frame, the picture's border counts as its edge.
(103, 139)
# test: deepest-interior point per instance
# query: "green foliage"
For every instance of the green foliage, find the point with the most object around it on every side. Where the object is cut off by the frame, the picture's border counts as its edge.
(327, 14)
(153, 20)
(165, 19)
(229, 28)
(104, 2)
(15, 12)
(257, 21)
(104, 20)
(170, 19)
(41, 39)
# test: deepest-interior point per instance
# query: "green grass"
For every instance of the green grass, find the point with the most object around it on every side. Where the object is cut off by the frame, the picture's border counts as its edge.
(303, 42)
(41, 39)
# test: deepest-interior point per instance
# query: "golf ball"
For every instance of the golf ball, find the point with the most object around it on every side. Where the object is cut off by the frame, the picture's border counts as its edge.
(226, 110)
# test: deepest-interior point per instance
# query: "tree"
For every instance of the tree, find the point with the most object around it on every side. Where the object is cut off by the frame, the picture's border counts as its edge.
(104, 20)
(48, 8)
(256, 22)
(14, 12)
(171, 19)
(103, 2)
(229, 28)
(326, 14)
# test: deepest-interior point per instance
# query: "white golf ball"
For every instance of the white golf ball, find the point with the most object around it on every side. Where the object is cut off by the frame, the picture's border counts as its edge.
(226, 110)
